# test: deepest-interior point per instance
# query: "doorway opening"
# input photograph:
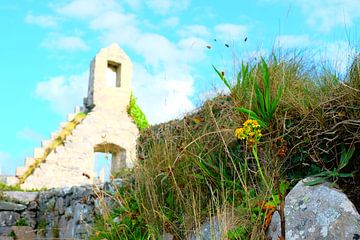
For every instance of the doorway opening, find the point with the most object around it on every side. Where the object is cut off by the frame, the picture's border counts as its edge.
(109, 159)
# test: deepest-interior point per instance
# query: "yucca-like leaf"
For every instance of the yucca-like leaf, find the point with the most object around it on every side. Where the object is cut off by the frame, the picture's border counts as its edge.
(238, 79)
(266, 81)
(323, 174)
(345, 156)
(346, 175)
(315, 182)
(247, 111)
(260, 100)
(253, 116)
(276, 101)
(223, 78)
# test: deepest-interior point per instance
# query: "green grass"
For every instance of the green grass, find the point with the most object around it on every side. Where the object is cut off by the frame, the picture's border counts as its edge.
(195, 168)
(4, 187)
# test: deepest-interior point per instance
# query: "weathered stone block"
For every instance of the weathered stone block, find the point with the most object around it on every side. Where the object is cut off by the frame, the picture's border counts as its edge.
(23, 232)
(21, 197)
(8, 218)
(317, 212)
(10, 206)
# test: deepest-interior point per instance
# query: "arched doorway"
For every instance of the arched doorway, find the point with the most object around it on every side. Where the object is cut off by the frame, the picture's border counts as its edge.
(109, 158)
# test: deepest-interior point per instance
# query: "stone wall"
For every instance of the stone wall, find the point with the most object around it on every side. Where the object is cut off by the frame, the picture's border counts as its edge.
(67, 213)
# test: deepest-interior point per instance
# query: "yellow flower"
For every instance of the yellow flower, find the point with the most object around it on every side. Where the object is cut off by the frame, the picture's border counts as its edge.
(239, 133)
(251, 131)
(255, 124)
(247, 122)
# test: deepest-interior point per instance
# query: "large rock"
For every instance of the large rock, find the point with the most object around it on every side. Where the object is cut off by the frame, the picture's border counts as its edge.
(317, 212)
(9, 206)
(21, 197)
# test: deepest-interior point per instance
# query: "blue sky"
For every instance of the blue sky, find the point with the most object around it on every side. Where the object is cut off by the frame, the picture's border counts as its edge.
(46, 48)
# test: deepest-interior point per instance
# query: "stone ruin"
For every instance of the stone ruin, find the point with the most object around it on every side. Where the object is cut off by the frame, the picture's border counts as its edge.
(106, 128)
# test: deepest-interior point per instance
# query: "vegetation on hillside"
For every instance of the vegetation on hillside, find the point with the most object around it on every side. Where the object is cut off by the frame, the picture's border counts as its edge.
(236, 157)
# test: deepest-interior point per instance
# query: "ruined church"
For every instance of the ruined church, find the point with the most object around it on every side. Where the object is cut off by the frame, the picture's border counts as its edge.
(101, 125)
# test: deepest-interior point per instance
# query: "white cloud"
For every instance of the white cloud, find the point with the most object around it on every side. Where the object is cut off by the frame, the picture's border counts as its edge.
(228, 31)
(167, 6)
(164, 84)
(192, 49)
(156, 49)
(194, 30)
(134, 4)
(171, 22)
(68, 43)
(86, 8)
(338, 54)
(64, 93)
(163, 96)
(292, 41)
(41, 20)
(113, 20)
(327, 14)
(121, 28)
(30, 134)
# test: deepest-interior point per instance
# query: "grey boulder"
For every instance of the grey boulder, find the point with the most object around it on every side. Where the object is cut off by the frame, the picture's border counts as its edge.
(317, 212)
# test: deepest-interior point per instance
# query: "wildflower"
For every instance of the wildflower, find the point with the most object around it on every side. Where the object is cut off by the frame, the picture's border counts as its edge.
(251, 131)
(239, 133)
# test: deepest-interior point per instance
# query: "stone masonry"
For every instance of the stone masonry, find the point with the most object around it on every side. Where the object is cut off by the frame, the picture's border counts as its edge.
(106, 128)
(67, 213)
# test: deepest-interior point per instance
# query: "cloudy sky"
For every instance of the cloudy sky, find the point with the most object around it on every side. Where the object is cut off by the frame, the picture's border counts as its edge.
(46, 47)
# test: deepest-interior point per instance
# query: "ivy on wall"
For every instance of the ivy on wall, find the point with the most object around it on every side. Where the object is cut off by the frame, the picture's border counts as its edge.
(137, 114)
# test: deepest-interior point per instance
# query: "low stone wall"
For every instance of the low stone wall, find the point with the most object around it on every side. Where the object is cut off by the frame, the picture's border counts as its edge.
(67, 213)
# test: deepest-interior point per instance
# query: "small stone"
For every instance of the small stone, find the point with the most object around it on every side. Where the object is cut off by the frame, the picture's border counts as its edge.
(23, 232)
(167, 236)
(32, 206)
(10, 206)
(51, 204)
(59, 205)
(8, 218)
(6, 238)
(30, 218)
(213, 228)
(5, 231)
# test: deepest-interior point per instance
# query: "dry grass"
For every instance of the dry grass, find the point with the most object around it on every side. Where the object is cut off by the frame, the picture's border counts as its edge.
(194, 169)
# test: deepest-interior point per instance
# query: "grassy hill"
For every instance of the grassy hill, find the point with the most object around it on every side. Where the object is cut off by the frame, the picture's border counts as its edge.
(304, 120)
